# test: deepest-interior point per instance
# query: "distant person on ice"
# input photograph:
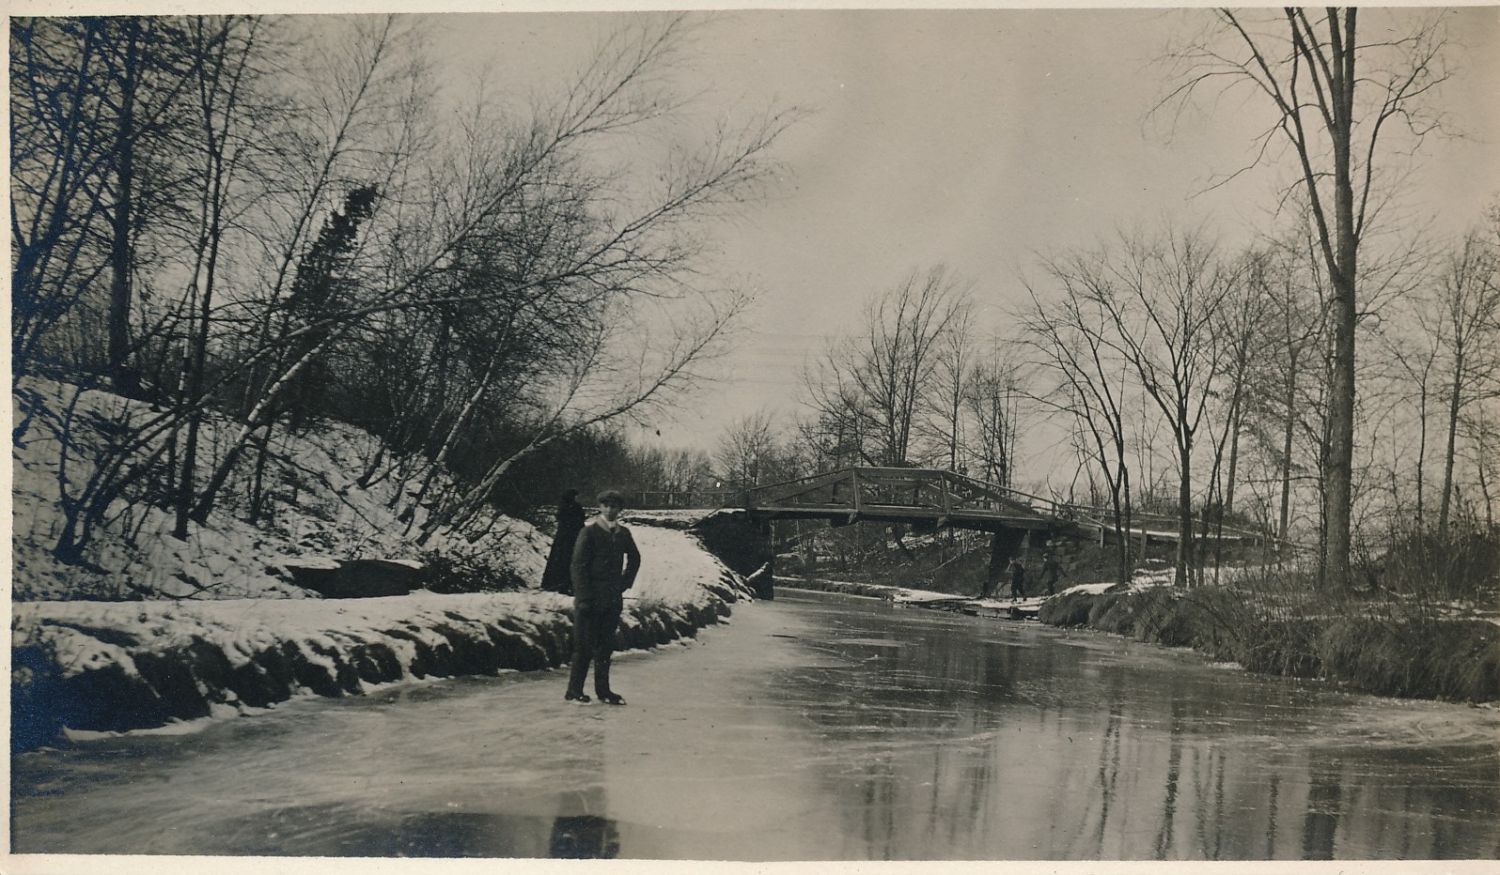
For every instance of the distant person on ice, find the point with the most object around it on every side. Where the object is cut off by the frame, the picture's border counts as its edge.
(1052, 571)
(557, 577)
(1017, 578)
(605, 562)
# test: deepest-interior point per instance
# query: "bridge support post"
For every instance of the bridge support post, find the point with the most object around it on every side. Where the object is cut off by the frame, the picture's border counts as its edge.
(743, 543)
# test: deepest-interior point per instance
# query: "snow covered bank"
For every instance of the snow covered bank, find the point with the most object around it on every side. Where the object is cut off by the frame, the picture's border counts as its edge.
(112, 666)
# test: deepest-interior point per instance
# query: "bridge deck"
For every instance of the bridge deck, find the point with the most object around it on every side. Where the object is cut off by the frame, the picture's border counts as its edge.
(973, 519)
(925, 496)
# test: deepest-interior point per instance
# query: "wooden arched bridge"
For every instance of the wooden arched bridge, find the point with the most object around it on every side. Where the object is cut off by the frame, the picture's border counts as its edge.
(927, 499)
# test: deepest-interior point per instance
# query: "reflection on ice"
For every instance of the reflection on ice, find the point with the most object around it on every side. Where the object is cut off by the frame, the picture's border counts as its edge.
(1115, 751)
(584, 837)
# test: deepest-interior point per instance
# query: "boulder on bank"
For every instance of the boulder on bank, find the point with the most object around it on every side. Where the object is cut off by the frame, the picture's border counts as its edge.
(763, 581)
(356, 578)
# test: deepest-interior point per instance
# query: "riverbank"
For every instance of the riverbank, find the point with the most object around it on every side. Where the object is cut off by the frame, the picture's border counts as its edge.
(93, 666)
(143, 629)
(1408, 654)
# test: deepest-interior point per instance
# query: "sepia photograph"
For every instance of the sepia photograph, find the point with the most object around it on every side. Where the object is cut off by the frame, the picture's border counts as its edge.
(1058, 436)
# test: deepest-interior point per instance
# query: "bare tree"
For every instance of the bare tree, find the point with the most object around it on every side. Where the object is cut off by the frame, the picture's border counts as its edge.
(952, 377)
(1336, 101)
(1415, 352)
(1284, 407)
(835, 435)
(1484, 441)
(685, 469)
(1068, 332)
(993, 395)
(879, 379)
(1242, 327)
(1470, 306)
(226, 48)
(747, 449)
(61, 143)
(1162, 300)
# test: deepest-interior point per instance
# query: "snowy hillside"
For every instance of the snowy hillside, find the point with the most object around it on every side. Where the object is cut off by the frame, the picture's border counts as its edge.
(314, 473)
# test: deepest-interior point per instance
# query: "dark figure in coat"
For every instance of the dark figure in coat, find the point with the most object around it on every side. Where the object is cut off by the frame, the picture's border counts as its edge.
(605, 562)
(558, 577)
(1017, 578)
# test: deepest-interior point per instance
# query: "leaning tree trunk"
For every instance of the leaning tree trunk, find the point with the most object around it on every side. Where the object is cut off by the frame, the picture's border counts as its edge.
(1453, 409)
(1184, 516)
(1283, 529)
(196, 380)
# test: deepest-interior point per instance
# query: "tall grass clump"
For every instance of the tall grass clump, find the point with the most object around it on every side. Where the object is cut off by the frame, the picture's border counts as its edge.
(1437, 572)
(1167, 616)
(1414, 656)
(1269, 621)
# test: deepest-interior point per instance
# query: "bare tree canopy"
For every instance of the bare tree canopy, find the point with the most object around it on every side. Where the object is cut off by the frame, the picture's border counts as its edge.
(873, 384)
(1340, 104)
(276, 220)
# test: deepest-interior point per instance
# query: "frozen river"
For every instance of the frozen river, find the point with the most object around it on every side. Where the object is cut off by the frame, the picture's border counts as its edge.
(813, 727)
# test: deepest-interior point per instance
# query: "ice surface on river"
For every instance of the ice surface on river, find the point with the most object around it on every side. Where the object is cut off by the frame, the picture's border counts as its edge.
(811, 728)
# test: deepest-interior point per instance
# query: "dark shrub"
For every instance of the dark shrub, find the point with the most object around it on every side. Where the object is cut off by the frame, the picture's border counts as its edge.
(449, 574)
(1464, 565)
(1221, 621)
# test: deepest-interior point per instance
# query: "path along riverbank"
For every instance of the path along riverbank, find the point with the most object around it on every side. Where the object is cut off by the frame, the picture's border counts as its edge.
(1413, 653)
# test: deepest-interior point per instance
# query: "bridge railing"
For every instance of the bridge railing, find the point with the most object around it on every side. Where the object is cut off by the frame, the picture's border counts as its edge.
(856, 487)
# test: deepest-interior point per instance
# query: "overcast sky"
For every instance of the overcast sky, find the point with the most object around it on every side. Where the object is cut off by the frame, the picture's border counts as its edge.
(970, 138)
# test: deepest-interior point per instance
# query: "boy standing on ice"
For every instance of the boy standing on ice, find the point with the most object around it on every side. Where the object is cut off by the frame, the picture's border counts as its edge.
(605, 562)
(1017, 578)
(1051, 571)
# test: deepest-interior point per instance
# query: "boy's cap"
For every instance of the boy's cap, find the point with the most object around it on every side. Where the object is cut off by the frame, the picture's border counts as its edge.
(612, 496)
